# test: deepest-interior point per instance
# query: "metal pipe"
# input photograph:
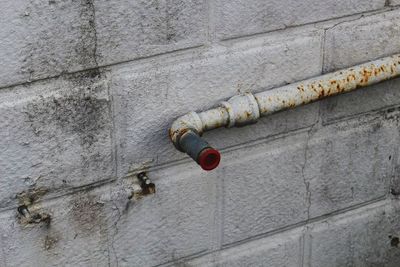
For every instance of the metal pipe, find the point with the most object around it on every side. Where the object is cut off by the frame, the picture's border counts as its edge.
(244, 109)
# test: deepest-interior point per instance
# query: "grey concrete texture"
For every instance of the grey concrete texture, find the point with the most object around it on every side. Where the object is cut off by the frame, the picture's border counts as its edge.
(75, 236)
(149, 95)
(394, 2)
(350, 163)
(283, 249)
(45, 38)
(129, 29)
(41, 39)
(191, 208)
(376, 98)
(294, 179)
(55, 134)
(368, 237)
(243, 17)
(261, 191)
(318, 185)
(104, 226)
(354, 42)
(176, 222)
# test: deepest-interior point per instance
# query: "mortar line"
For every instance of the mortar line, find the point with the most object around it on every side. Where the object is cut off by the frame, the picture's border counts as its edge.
(321, 23)
(311, 221)
(375, 202)
(101, 67)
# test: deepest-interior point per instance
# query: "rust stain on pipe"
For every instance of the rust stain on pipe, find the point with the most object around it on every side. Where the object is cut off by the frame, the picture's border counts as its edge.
(246, 108)
(327, 85)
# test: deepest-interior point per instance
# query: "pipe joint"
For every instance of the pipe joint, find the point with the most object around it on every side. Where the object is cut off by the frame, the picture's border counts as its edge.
(190, 122)
(242, 109)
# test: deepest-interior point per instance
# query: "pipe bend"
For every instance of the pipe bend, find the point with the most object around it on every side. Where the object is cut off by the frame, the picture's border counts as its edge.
(188, 122)
(185, 134)
(186, 131)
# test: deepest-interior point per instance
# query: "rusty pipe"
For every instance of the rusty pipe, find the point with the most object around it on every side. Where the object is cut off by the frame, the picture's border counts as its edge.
(244, 109)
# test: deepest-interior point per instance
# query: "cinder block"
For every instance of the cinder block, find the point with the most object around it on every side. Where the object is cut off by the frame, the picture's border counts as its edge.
(290, 180)
(131, 29)
(45, 38)
(42, 39)
(75, 235)
(244, 17)
(177, 221)
(362, 40)
(350, 163)
(149, 95)
(263, 188)
(377, 97)
(105, 227)
(276, 251)
(395, 183)
(366, 237)
(55, 134)
(394, 2)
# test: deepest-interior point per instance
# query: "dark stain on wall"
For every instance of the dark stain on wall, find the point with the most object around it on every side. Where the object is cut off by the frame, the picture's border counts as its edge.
(394, 241)
(61, 37)
(77, 111)
(87, 214)
(87, 47)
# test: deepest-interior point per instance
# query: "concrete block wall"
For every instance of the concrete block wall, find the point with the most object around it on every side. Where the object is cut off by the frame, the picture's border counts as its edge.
(90, 87)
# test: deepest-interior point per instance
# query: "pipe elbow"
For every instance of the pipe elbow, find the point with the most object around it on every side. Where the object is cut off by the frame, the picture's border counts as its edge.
(186, 131)
(185, 134)
(188, 122)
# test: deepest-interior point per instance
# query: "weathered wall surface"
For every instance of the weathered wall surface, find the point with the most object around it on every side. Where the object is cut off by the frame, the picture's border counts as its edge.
(90, 87)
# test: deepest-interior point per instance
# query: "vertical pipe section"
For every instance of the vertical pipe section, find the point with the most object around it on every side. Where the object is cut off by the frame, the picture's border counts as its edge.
(199, 150)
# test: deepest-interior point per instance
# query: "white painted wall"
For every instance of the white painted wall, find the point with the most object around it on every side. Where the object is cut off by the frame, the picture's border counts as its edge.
(89, 88)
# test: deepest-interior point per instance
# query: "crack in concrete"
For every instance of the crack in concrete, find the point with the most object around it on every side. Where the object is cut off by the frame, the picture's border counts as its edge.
(88, 46)
(115, 233)
(307, 184)
(303, 167)
(92, 24)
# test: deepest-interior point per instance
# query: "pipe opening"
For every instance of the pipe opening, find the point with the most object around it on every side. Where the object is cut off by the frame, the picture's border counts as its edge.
(209, 159)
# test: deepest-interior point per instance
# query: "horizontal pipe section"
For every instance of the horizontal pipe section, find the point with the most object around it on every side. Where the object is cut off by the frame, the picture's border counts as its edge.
(214, 118)
(342, 81)
(246, 108)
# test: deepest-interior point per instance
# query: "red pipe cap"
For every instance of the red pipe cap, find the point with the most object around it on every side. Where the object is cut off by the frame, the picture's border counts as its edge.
(209, 159)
